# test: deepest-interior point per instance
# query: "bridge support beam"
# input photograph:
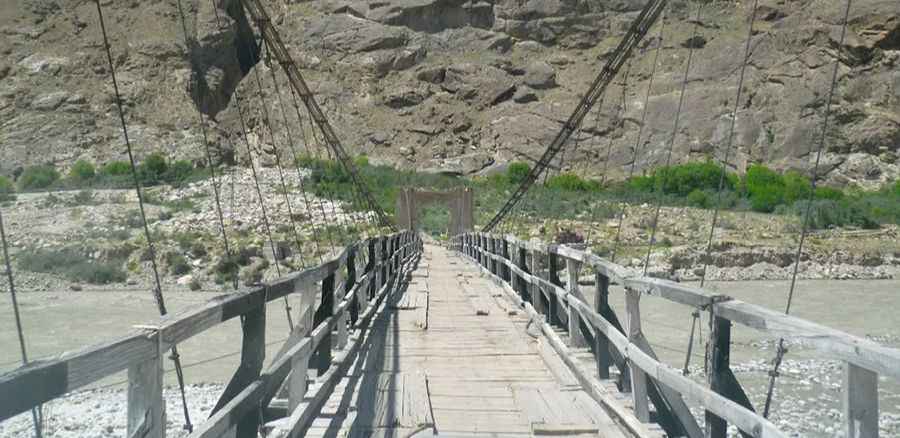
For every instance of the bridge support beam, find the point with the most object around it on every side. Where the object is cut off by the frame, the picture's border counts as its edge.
(321, 359)
(146, 410)
(601, 343)
(576, 327)
(554, 309)
(253, 354)
(860, 402)
(537, 295)
(638, 377)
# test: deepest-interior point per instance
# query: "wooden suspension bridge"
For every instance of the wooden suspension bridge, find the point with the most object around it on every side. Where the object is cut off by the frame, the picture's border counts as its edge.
(485, 336)
(490, 336)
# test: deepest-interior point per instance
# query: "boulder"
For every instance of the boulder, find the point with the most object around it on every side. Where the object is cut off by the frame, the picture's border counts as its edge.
(433, 16)
(434, 75)
(524, 95)
(408, 57)
(540, 76)
(49, 101)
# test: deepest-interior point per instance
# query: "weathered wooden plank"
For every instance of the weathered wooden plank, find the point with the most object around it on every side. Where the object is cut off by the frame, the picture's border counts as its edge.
(675, 292)
(42, 381)
(302, 415)
(859, 351)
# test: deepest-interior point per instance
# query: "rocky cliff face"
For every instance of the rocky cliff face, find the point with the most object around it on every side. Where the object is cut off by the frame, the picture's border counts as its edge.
(458, 86)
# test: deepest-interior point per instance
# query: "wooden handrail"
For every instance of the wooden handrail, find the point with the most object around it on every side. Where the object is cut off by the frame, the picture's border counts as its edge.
(840, 345)
(44, 380)
(724, 400)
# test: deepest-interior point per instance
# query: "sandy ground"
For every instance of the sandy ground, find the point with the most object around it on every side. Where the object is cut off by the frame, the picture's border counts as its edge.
(807, 395)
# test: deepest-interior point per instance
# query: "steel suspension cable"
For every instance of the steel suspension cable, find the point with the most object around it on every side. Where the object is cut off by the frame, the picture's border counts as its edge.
(190, 46)
(637, 142)
(805, 229)
(261, 200)
(328, 230)
(730, 144)
(341, 219)
(290, 137)
(157, 292)
(620, 109)
(36, 412)
(264, 105)
(661, 189)
(267, 122)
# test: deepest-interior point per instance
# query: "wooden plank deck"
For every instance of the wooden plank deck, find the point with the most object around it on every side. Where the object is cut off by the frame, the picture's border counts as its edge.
(454, 357)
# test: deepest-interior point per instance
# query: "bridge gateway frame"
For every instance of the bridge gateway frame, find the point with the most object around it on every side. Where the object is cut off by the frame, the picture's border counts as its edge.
(460, 201)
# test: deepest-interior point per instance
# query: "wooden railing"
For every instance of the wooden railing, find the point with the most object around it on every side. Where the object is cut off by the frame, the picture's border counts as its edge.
(529, 270)
(349, 286)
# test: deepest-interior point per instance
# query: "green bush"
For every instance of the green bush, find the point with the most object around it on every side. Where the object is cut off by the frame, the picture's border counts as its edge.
(38, 177)
(178, 172)
(116, 168)
(641, 183)
(826, 213)
(7, 189)
(796, 187)
(72, 265)
(572, 183)
(177, 263)
(82, 172)
(153, 169)
(829, 193)
(699, 198)
(765, 188)
(682, 179)
(517, 171)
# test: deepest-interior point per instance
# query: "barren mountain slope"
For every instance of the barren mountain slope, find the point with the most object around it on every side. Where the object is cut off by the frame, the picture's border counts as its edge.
(457, 86)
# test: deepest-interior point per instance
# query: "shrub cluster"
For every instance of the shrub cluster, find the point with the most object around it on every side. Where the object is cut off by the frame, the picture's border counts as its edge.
(153, 170)
(38, 177)
(764, 190)
(72, 265)
(7, 189)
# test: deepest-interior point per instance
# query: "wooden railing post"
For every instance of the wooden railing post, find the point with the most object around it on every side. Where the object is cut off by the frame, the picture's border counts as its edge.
(383, 257)
(860, 396)
(601, 343)
(718, 366)
(576, 337)
(350, 315)
(537, 295)
(553, 276)
(485, 260)
(370, 271)
(299, 378)
(505, 267)
(146, 410)
(321, 359)
(492, 249)
(638, 377)
(253, 354)
(522, 263)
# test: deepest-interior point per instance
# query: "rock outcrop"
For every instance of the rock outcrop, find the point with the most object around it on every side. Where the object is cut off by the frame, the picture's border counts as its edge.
(492, 82)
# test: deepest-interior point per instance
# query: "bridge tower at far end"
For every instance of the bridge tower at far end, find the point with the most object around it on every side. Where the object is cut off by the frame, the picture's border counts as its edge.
(460, 202)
